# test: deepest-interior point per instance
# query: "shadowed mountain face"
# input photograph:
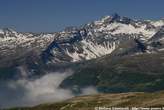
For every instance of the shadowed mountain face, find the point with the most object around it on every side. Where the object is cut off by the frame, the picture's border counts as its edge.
(114, 54)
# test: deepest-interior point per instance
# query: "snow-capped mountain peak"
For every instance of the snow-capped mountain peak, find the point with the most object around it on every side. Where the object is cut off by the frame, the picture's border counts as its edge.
(158, 23)
(87, 42)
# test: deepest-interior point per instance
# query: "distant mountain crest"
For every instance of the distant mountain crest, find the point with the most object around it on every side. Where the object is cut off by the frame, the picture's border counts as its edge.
(86, 42)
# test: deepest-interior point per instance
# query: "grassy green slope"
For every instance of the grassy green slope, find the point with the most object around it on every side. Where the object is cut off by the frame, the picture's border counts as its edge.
(143, 72)
(107, 100)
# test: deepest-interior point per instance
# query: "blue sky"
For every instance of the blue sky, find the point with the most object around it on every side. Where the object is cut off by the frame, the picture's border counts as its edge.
(54, 15)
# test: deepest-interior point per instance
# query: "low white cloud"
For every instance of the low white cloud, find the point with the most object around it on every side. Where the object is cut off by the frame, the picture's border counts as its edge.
(26, 92)
(89, 90)
(30, 92)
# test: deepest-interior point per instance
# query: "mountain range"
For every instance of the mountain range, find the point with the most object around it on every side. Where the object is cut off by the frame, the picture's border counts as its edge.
(86, 42)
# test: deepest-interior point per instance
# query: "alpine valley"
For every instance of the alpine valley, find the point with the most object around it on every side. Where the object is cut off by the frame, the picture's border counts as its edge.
(113, 55)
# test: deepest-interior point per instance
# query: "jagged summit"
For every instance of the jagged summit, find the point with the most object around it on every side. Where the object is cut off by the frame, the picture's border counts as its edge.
(116, 18)
(112, 18)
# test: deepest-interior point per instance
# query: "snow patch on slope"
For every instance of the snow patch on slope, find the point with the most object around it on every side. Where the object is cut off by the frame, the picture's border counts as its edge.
(92, 50)
(119, 28)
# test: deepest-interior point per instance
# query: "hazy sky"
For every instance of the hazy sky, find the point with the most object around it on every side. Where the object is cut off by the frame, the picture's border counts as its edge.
(54, 15)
